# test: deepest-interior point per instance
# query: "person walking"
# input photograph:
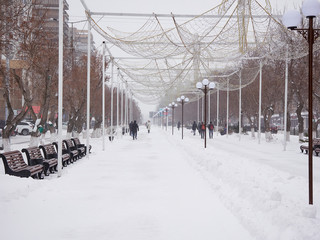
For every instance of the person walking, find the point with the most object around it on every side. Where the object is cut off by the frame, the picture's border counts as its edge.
(210, 127)
(135, 129)
(199, 128)
(194, 128)
(148, 125)
(130, 128)
(202, 129)
(178, 125)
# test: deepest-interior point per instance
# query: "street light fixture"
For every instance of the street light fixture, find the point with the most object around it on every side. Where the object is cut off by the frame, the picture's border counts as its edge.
(291, 19)
(205, 86)
(182, 100)
(173, 105)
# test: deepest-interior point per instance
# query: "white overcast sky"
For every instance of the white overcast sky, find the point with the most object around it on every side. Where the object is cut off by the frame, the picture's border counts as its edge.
(76, 12)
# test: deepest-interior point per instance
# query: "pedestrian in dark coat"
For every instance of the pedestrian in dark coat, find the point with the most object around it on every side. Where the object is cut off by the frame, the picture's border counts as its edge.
(199, 128)
(194, 127)
(211, 127)
(135, 129)
(130, 127)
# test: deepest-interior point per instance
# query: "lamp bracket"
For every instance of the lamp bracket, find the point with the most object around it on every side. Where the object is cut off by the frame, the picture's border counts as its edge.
(304, 33)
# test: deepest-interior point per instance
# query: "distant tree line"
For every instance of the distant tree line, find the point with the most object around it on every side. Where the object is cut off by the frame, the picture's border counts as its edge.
(33, 79)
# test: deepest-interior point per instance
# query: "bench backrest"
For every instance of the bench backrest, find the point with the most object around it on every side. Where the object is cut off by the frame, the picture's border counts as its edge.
(316, 141)
(70, 144)
(63, 146)
(76, 141)
(49, 150)
(32, 153)
(13, 160)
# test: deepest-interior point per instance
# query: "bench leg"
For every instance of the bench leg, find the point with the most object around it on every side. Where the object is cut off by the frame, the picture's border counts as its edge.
(46, 168)
(52, 169)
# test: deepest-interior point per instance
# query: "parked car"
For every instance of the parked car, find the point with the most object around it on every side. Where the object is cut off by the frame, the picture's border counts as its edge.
(24, 128)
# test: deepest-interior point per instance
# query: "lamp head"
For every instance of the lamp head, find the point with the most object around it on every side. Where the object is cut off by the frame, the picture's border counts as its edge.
(178, 99)
(212, 85)
(205, 82)
(176, 105)
(291, 19)
(311, 8)
(186, 99)
(199, 85)
(173, 103)
(169, 104)
(182, 97)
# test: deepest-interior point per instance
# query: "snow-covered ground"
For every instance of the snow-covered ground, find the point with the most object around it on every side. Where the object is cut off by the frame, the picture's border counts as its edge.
(162, 187)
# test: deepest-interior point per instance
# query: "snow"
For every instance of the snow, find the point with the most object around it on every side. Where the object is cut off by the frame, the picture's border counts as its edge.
(162, 187)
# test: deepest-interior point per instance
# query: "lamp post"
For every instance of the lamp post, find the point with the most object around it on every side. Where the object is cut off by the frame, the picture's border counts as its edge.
(291, 19)
(182, 100)
(173, 105)
(205, 86)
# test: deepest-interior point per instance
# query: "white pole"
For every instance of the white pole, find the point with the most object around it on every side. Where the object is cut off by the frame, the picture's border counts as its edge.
(88, 80)
(209, 104)
(286, 101)
(118, 99)
(198, 109)
(103, 93)
(125, 107)
(202, 109)
(131, 106)
(240, 83)
(111, 113)
(60, 95)
(227, 108)
(121, 109)
(260, 97)
(217, 112)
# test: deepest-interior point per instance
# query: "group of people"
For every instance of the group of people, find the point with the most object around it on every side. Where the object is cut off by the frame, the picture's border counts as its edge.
(201, 127)
(134, 128)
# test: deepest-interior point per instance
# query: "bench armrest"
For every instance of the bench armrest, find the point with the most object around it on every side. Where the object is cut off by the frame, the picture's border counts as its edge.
(36, 161)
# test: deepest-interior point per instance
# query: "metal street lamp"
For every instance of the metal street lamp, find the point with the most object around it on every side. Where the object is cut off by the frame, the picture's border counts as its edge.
(173, 105)
(205, 86)
(182, 100)
(291, 19)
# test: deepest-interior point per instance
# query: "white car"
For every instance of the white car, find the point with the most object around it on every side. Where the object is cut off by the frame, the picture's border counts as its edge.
(24, 128)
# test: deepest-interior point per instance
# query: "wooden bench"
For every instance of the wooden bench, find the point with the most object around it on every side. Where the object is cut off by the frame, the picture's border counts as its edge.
(315, 147)
(15, 165)
(49, 152)
(65, 151)
(34, 156)
(81, 147)
(73, 150)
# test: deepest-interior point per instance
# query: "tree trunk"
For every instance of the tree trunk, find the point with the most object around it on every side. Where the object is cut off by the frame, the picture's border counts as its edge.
(268, 112)
(6, 144)
(288, 127)
(71, 124)
(300, 120)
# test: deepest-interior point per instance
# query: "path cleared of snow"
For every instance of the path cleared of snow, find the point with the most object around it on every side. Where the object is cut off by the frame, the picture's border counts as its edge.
(138, 190)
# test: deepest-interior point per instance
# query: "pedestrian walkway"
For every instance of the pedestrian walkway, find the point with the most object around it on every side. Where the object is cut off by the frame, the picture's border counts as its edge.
(138, 190)
(151, 192)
